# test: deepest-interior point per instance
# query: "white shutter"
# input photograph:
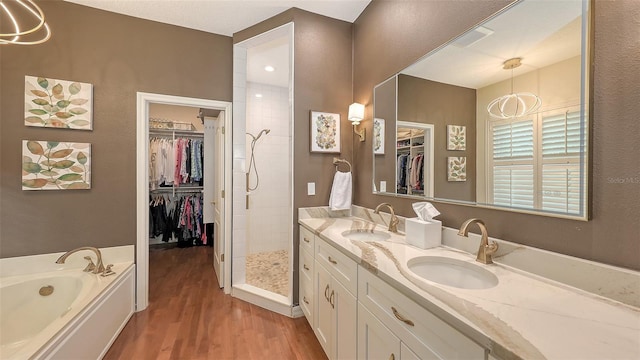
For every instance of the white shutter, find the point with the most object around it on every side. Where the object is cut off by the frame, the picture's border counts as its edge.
(513, 186)
(561, 188)
(513, 151)
(561, 145)
(561, 135)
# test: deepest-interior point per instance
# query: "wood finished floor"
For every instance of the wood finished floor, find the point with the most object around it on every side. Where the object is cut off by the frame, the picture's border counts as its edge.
(189, 317)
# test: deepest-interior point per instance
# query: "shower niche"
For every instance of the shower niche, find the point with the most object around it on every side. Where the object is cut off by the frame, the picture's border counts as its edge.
(262, 263)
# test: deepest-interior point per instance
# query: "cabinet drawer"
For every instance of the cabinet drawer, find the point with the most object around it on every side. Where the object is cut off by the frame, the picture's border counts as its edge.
(342, 268)
(306, 239)
(306, 266)
(427, 335)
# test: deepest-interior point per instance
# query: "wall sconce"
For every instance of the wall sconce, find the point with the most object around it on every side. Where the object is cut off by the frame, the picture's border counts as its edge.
(356, 114)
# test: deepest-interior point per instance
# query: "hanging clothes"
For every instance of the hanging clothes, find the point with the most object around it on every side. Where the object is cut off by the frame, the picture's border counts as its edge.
(178, 217)
(175, 162)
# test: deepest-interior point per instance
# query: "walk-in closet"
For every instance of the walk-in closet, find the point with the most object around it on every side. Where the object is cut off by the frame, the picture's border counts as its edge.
(176, 178)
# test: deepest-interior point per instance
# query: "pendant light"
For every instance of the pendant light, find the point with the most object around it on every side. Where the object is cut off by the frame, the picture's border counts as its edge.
(33, 27)
(514, 105)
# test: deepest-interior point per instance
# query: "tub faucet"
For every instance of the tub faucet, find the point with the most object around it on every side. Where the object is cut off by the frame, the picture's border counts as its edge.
(486, 250)
(97, 269)
(393, 223)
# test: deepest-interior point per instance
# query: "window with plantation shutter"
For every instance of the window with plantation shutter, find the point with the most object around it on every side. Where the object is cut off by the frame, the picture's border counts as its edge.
(535, 163)
(561, 181)
(513, 153)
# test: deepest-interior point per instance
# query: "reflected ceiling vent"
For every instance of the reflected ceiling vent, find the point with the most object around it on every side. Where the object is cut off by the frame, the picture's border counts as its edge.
(472, 36)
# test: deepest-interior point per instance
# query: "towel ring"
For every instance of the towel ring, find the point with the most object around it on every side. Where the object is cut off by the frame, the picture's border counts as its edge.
(337, 162)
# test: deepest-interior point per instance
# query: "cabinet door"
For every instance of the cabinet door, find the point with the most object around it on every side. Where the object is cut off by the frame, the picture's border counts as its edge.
(375, 341)
(345, 308)
(324, 317)
(406, 353)
(306, 284)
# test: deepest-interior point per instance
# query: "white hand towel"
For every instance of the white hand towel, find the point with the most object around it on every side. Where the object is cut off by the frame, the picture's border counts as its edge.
(340, 198)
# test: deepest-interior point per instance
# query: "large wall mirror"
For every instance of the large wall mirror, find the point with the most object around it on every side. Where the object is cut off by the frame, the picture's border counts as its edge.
(497, 117)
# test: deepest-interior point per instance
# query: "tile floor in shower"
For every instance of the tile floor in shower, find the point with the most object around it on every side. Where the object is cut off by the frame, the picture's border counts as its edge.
(269, 271)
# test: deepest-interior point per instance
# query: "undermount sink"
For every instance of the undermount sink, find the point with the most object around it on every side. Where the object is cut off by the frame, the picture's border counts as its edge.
(452, 272)
(366, 235)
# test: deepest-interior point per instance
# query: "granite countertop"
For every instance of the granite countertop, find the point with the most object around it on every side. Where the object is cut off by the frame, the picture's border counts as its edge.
(524, 316)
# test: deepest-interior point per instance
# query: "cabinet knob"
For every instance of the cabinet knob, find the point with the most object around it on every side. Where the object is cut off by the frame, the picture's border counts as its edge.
(305, 239)
(392, 357)
(326, 292)
(332, 261)
(401, 318)
(304, 298)
(305, 266)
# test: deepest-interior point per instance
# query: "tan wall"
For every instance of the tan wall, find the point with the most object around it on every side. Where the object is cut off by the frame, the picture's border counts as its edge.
(431, 102)
(119, 55)
(390, 35)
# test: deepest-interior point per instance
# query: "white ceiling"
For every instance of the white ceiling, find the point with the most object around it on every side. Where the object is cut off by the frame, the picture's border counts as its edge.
(224, 17)
(540, 32)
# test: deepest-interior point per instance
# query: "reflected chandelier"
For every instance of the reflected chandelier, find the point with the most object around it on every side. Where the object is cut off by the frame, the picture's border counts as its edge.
(29, 12)
(515, 104)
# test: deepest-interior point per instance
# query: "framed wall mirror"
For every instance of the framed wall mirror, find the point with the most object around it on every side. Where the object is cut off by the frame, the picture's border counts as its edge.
(506, 107)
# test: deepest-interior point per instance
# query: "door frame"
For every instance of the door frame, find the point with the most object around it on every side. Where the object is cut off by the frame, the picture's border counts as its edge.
(142, 184)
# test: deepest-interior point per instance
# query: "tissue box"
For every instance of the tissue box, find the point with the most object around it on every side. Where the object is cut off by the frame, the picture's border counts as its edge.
(423, 234)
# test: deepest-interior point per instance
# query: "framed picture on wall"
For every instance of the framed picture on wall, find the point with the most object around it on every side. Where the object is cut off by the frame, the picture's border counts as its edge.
(457, 168)
(325, 132)
(58, 103)
(54, 165)
(456, 137)
(378, 136)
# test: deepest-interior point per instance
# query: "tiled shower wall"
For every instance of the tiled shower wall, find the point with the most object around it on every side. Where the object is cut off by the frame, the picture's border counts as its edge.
(268, 218)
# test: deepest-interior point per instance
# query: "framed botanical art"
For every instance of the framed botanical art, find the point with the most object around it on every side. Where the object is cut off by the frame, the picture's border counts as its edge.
(325, 132)
(457, 168)
(456, 137)
(53, 165)
(58, 103)
(378, 136)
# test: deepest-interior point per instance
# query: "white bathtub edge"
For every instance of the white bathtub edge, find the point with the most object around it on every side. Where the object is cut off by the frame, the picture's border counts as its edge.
(33, 264)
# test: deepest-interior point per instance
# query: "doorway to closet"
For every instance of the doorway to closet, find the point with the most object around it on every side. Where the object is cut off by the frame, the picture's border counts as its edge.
(183, 172)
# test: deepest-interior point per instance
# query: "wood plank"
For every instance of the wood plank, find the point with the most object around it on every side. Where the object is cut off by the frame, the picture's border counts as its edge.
(190, 317)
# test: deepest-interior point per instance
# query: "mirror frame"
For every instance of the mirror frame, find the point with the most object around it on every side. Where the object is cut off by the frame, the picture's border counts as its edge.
(586, 110)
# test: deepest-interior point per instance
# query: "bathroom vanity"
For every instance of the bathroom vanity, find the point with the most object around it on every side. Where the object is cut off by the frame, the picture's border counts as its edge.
(365, 296)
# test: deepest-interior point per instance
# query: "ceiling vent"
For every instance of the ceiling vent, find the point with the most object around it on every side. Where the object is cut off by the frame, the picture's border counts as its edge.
(472, 36)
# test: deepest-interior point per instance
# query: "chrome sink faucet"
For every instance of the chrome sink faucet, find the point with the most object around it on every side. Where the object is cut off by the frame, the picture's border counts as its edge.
(486, 250)
(98, 268)
(393, 223)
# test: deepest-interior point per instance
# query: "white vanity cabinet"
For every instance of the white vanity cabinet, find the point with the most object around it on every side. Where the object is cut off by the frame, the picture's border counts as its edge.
(335, 289)
(419, 333)
(306, 272)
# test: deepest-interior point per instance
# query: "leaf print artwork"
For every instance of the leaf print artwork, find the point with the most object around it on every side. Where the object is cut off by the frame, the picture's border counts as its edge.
(50, 165)
(456, 137)
(378, 136)
(58, 103)
(325, 132)
(457, 169)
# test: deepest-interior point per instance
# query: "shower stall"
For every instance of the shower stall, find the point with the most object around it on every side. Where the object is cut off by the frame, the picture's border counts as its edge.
(262, 263)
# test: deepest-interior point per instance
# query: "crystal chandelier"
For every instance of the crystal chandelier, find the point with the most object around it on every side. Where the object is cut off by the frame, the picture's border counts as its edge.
(514, 105)
(36, 32)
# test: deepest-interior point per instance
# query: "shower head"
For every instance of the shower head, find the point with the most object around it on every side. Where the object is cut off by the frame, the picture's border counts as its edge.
(264, 131)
